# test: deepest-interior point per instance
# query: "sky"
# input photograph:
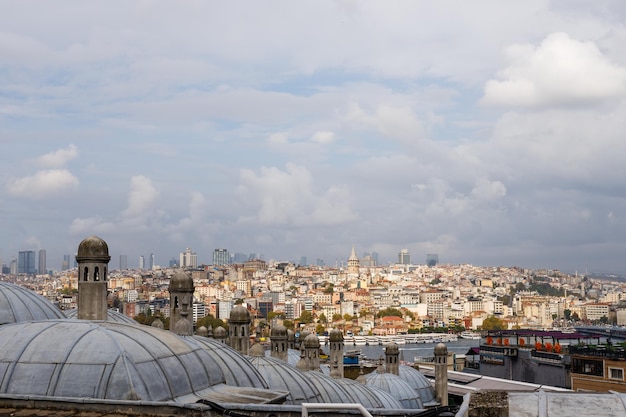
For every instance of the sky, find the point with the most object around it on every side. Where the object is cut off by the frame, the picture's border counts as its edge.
(491, 133)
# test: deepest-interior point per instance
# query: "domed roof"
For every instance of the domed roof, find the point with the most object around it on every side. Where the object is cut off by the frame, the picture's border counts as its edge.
(312, 341)
(281, 376)
(398, 388)
(375, 395)
(335, 335)
(239, 314)
(440, 349)
(419, 382)
(112, 315)
(278, 331)
(116, 361)
(181, 281)
(93, 248)
(220, 333)
(202, 331)
(345, 390)
(391, 348)
(236, 369)
(106, 360)
(21, 304)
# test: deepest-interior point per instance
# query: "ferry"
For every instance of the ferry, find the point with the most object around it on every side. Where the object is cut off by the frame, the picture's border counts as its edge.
(469, 335)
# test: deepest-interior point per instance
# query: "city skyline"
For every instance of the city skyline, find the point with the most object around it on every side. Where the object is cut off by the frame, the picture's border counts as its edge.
(489, 133)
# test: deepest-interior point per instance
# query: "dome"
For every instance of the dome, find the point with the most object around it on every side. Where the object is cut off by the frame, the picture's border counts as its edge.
(335, 335)
(281, 376)
(311, 341)
(93, 249)
(202, 331)
(181, 281)
(419, 382)
(21, 304)
(392, 349)
(112, 315)
(220, 333)
(398, 388)
(345, 390)
(239, 314)
(236, 369)
(441, 349)
(278, 332)
(106, 360)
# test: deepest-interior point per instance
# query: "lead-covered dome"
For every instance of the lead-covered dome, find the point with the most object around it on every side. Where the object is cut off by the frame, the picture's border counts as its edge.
(112, 315)
(419, 382)
(93, 248)
(311, 341)
(398, 388)
(335, 335)
(281, 376)
(279, 332)
(21, 304)
(106, 360)
(181, 281)
(239, 314)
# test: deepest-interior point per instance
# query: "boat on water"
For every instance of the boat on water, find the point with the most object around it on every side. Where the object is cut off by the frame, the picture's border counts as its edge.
(469, 335)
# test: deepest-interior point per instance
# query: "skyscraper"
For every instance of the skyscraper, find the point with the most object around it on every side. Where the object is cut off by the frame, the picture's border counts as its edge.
(188, 259)
(404, 257)
(221, 257)
(151, 262)
(142, 262)
(42, 262)
(66, 263)
(432, 259)
(123, 262)
(26, 262)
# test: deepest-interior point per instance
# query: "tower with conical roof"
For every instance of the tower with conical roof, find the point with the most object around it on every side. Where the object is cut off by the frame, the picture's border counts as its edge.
(239, 329)
(92, 258)
(335, 338)
(181, 298)
(279, 342)
(353, 263)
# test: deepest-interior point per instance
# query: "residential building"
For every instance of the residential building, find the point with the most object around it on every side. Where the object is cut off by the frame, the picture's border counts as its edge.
(188, 259)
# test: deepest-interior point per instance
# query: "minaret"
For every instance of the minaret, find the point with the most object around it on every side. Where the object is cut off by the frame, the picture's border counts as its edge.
(239, 329)
(335, 338)
(392, 352)
(279, 340)
(353, 263)
(181, 298)
(92, 258)
(441, 373)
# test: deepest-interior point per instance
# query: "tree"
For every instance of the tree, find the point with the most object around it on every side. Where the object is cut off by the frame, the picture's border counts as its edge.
(364, 312)
(337, 317)
(288, 324)
(390, 311)
(209, 321)
(320, 329)
(575, 316)
(306, 317)
(276, 314)
(348, 317)
(493, 323)
(567, 313)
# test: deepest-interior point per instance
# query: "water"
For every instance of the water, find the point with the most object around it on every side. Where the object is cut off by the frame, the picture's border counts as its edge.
(411, 350)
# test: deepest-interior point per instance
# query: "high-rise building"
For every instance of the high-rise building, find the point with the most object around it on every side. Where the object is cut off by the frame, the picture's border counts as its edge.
(188, 259)
(151, 262)
(303, 261)
(66, 263)
(42, 262)
(26, 262)
(375, 257)
(13, 267)
(221, 257)
(142, 262)
(123, 262)
(240, 258)
(404, 257)
(173, 262)
(432, 259)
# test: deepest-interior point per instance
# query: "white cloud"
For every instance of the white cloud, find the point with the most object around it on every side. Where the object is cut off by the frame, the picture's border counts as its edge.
(141, 196)
(560, 71)
(58, 158)
(323, 137)
(43, 184)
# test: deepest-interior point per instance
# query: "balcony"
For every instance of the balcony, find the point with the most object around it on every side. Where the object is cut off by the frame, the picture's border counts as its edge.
(604, 351)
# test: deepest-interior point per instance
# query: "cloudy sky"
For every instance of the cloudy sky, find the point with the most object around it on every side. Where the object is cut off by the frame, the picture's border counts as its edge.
(489, 132)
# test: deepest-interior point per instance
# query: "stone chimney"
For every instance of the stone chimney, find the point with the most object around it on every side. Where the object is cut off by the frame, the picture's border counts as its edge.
(441, 373)
(335, 339)
(92, 258)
